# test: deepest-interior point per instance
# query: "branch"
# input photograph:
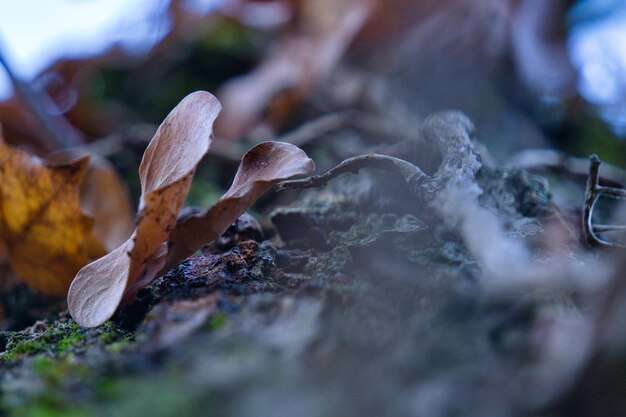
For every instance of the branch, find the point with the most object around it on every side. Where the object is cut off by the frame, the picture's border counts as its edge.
(449, 131)
(60, 134)
(548, 159)
(409, 172)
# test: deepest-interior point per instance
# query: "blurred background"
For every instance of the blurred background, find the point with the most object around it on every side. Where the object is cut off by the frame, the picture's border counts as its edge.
(530, 73)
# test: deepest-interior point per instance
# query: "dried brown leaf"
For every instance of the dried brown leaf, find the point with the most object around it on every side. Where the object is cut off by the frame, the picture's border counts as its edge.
(46, 236)
(261, 167)
(166, 171)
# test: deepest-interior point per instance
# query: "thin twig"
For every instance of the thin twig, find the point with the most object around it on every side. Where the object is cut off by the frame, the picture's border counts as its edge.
(312, 130)
(609, 228)
(109, 145)
(140, 135)
(449, 131)
(548, 159)
(301, 136)
(593, 192)
(411, 174)
(381, 126)
(60, 134)
(316, 128)
(611, 191)
(360, 121)
(590, 200)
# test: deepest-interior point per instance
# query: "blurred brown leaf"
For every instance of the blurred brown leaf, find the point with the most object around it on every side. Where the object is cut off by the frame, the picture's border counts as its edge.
(294, 66)
(46, 235)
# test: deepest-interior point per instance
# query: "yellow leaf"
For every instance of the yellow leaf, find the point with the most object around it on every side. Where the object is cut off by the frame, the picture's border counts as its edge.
(104, 197)
(46, 236)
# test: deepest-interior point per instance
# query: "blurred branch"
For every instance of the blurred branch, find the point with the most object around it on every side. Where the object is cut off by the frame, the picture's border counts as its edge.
(140, 135)
(548, 159)
(59, 133)
(412, 175)
(136, 135)
(232, 152)
(316, 128)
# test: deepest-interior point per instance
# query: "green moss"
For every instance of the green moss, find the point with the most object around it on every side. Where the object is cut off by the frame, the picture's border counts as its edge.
(56, 371)
(46, 407)
(117, 346)
(55, 339)
(54, 376)
(217, 321)
(113, 337)
(160, 395)
(60, 338)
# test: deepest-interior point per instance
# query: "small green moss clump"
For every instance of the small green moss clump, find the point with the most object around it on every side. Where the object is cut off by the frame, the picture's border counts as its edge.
(54, 339)
(46, 399)
(62, 361)
(217, 321)
(59, 338)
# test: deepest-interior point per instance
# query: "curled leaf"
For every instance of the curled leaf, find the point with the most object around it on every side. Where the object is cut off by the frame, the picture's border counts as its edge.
(261, 167)
(166, 171)
(46, 235)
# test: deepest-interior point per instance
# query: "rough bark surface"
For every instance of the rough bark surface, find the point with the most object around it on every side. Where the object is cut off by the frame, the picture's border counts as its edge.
(367, 300)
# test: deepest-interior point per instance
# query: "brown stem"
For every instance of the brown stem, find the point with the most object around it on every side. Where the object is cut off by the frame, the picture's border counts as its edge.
(411, 174)
(59, 133)
(450, 131)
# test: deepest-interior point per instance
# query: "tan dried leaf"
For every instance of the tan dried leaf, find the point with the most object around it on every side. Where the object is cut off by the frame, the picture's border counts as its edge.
(261, 167)
(166, 171)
